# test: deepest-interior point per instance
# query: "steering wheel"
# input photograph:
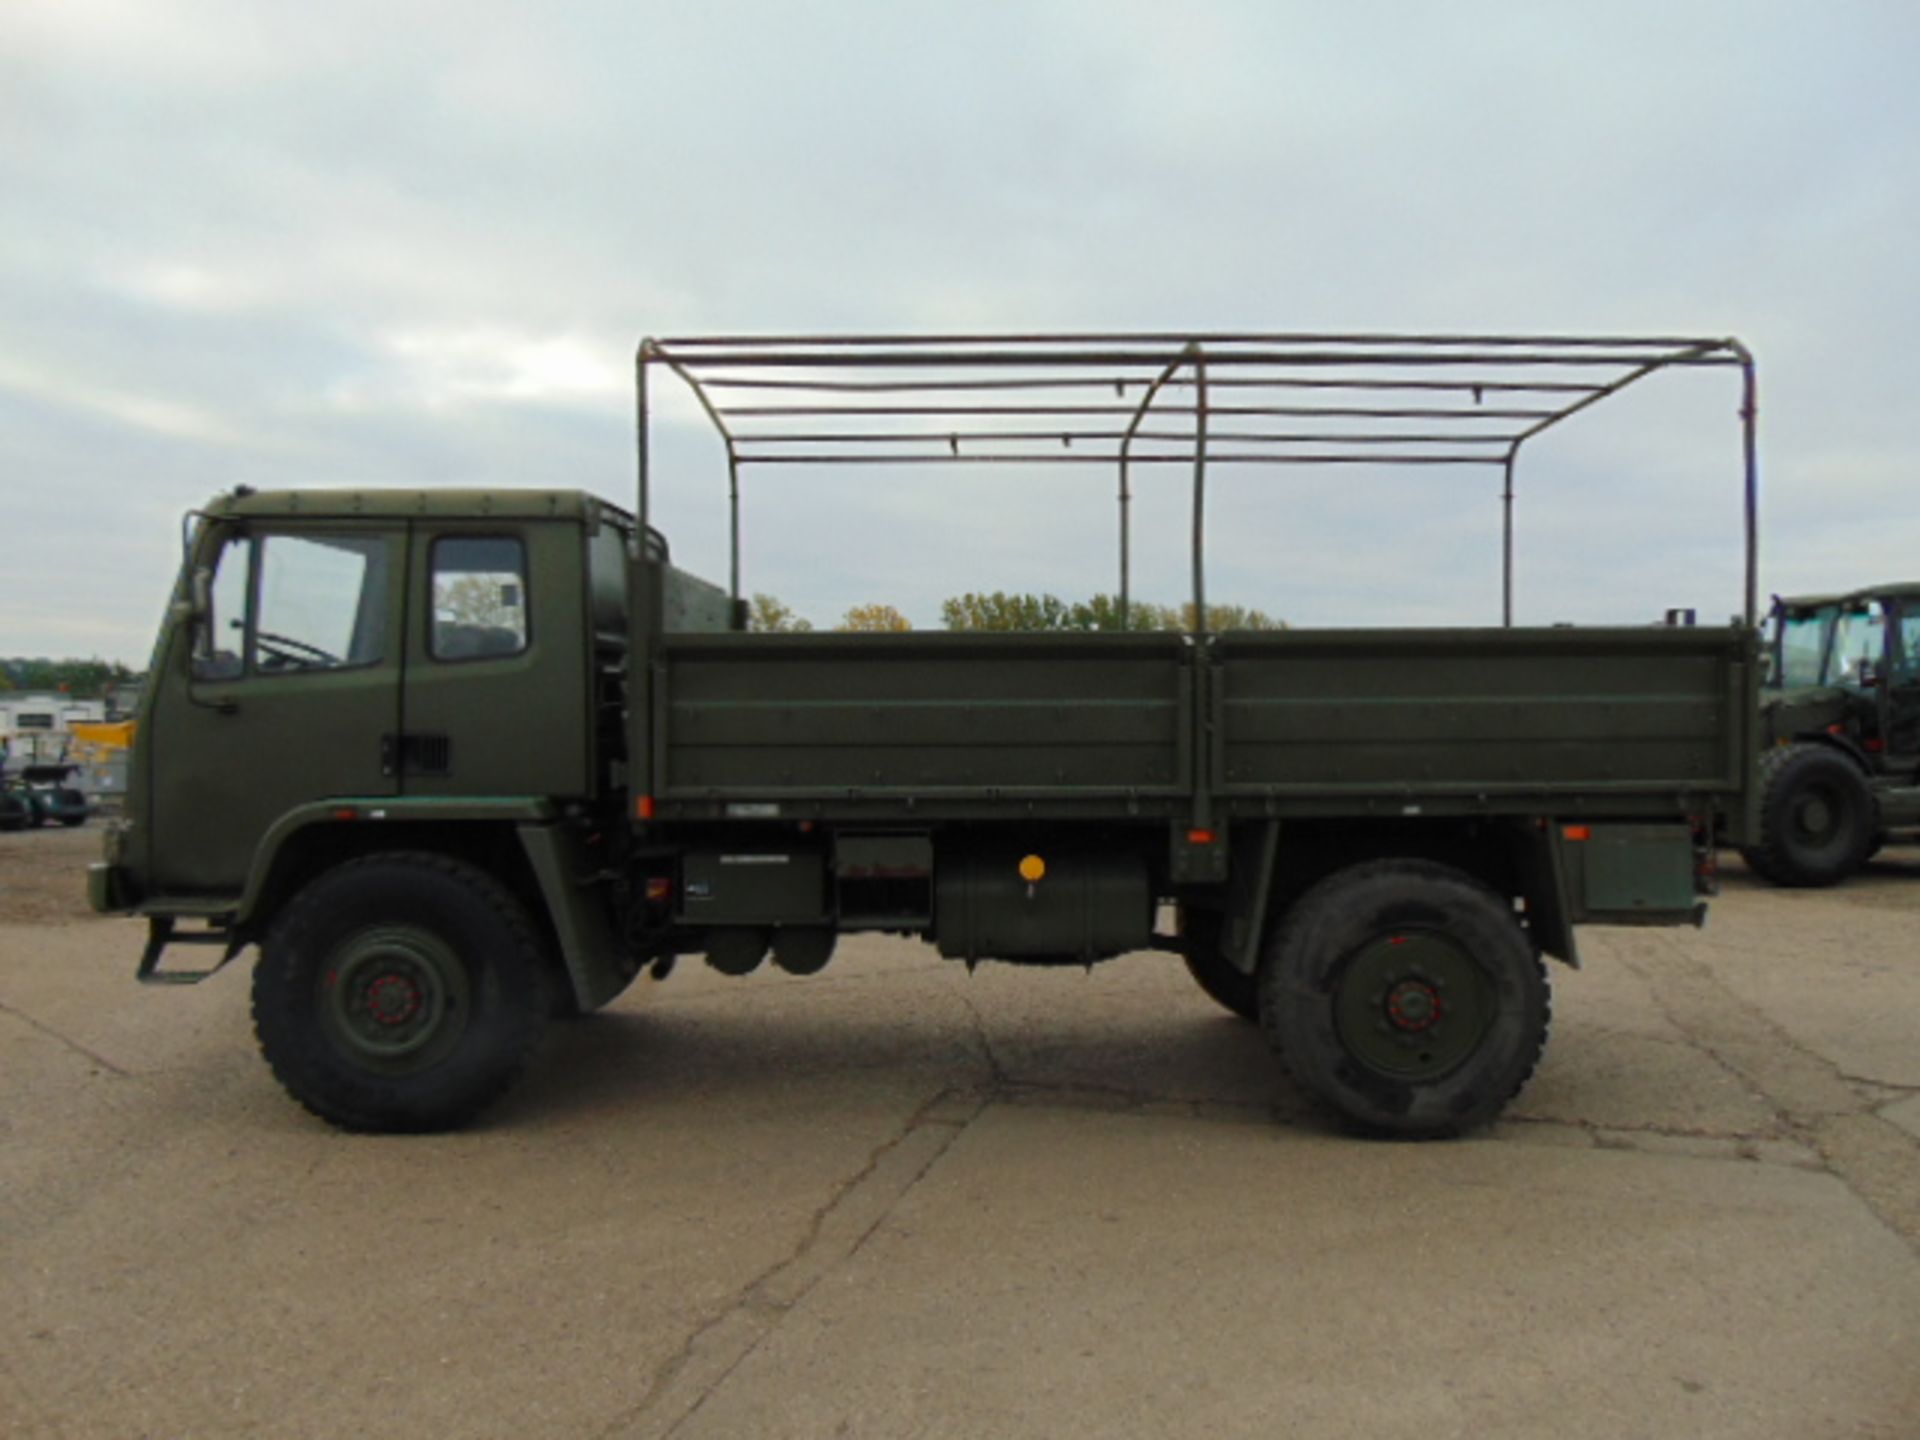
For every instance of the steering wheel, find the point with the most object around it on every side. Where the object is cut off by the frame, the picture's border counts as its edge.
(289, 651)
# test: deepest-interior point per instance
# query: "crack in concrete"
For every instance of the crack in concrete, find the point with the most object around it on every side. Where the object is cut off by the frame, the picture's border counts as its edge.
(66, 1040)
(981, 1039)
(1672, 1132)
(1817, 1110)
(1813, 1101)
(837, 1230)
(1893, 1088)
(1768, 1147)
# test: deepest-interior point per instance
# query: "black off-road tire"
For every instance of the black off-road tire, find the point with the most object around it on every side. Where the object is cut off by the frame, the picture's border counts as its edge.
(1227, 987)
(400, 992)
(15, 813)
(1817, 817)
(1404, 996)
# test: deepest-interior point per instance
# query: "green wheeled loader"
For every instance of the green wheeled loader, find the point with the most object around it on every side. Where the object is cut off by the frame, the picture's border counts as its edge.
(1840, 723)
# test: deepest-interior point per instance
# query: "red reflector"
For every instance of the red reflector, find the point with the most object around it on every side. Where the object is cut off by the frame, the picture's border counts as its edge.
(1875, 745)
(643, 807)
(1577, 832)
(659, 887)
(1200, 837)
(346, 812)
(1836, 729)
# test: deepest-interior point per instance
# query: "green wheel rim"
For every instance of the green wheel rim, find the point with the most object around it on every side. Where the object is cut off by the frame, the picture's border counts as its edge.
(395, 999)
(1413, 1005)
(1816, 818)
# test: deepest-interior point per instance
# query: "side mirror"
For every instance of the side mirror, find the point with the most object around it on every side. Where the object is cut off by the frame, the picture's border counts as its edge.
(195, 611)
(199, 602)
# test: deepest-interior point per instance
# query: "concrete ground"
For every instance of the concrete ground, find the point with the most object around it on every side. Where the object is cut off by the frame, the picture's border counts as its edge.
(894, 1200)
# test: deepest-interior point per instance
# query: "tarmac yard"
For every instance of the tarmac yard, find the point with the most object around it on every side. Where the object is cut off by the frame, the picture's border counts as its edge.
(895, 1200)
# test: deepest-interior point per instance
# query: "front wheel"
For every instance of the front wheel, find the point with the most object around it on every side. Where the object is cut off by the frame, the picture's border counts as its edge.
(1404, 996)
(402, 991)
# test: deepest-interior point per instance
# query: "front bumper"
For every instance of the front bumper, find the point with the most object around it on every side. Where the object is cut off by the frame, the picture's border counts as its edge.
(110, 889)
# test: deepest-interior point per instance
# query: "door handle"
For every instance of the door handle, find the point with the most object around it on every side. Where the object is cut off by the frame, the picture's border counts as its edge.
(415, 754)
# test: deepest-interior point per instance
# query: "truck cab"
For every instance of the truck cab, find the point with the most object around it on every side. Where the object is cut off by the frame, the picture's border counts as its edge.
(344, 661)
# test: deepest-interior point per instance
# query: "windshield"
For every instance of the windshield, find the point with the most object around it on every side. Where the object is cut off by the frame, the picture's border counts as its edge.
(1802, 646)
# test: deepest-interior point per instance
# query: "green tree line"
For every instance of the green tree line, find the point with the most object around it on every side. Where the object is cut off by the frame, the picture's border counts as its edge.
(83, 679)
(1000, 611)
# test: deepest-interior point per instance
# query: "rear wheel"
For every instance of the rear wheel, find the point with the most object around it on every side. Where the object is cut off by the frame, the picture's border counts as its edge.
(1817, 817)
(1230, 988)
(1404, 996)
(400, 992)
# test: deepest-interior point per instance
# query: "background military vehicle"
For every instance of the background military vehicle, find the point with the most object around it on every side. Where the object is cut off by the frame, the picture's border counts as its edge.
(1840, 720)
(33, 795)
(455, 760)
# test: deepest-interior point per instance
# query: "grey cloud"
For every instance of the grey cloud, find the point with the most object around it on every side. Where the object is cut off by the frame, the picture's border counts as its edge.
(359, 244)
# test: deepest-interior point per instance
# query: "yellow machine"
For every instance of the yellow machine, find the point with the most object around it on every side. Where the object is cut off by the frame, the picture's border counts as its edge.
(99, 748)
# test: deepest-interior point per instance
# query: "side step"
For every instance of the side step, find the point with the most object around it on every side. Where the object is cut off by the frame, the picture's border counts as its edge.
(160, 935)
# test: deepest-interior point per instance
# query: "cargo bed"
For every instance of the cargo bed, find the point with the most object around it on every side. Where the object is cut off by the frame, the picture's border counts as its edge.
(1602, 721)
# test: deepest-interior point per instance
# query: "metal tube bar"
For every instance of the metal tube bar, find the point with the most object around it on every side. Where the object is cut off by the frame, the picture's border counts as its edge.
(1506, 541)
(826, 359)
(1749, 419)
(1218, 342)
(733, 461)
(1218, 382)
(1639, 372)
(1126, 493)
(1199, 495)
(733, 524)
(1074, 437)
(1359, 412)
(1055, 458)
(641, 489)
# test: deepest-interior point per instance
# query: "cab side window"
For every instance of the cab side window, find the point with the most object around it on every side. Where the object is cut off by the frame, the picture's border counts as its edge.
(1906, 658)
(479, 597)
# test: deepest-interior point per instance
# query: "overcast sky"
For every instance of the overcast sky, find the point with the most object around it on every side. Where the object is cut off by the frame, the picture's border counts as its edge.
(391, 244)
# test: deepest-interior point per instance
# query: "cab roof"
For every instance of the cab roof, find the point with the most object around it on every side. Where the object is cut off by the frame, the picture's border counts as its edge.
(576, 505)
(1899, 590)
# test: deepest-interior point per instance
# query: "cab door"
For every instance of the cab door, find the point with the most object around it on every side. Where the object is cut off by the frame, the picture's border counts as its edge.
(287, 694)
(1901, 721)
(497, 700)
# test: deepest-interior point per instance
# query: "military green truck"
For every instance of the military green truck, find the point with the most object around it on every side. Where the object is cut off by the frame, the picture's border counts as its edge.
(459, 762)
(1840, 727)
